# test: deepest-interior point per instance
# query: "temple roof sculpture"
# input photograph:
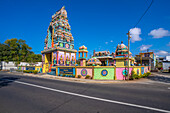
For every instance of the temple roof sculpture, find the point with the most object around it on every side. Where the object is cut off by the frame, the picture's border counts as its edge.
(59, 33)
(94, 61)
(122, 50)
(82, 49)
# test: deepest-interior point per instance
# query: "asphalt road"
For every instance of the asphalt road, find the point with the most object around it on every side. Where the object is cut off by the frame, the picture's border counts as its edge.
(21, 94)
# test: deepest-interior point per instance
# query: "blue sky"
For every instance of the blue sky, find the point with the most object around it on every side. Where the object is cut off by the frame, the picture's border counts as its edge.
(97, 24)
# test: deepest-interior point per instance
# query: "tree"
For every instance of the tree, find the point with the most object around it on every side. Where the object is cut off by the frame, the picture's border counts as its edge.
(4, 53)
(17, 51)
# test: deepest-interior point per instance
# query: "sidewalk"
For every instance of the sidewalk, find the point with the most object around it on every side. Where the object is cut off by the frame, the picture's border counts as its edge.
(161, 74)
(47, 76)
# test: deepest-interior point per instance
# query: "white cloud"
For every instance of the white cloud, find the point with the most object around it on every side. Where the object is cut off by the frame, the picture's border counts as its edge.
(168, 44)
(135, 32)
(159, 33)
(145, 47)
(111, 41)
(162, 53)
(106, 42)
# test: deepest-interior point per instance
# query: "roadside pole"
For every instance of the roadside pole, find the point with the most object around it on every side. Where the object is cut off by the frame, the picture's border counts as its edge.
(128, 51)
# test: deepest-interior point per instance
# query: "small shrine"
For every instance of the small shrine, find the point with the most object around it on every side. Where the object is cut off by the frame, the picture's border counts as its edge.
(121, 56)
(105, 57)
(59, 43)
(94, 62)
(83, 57)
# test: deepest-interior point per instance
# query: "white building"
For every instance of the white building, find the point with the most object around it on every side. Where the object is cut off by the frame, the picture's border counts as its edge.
(166, 63)
(11, 65)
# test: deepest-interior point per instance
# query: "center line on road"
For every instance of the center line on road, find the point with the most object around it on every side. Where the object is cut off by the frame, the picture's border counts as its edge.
(94, 98)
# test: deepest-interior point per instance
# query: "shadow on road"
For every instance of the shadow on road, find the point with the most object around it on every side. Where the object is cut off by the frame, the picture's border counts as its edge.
(5, 81)
(159, 78)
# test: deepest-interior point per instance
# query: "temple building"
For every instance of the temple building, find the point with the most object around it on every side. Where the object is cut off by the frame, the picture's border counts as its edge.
(146, 59)
(121, 56)
(105, 57)
(59, 43)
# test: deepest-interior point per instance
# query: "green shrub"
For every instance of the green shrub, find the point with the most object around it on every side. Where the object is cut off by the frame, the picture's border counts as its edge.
(30, 71)
(63, 75)
(35, 71)
(135, 76)
(19, 70)
(79, 76)
(132, 75)
(147, 74)
(87, 77)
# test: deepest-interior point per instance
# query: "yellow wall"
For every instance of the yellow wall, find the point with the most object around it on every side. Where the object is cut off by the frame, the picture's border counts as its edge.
(46, 65)
(37, 68)
(135, 70)
(119, 63)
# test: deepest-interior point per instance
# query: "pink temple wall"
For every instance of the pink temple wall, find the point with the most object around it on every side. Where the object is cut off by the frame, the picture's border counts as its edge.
(119, 75)
(89, 71)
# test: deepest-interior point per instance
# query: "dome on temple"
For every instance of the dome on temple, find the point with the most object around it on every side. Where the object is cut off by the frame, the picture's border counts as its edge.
(83, 47)
(94, 61)
(122, 50)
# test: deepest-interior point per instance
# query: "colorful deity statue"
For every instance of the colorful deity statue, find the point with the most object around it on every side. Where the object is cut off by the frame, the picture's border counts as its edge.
(73, 60)
(54, 60)
(67, 61)
(61, 59)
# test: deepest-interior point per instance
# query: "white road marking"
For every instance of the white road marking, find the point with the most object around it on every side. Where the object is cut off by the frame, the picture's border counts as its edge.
(168, 87)
(94, 98)
(143, 83)
(158, 82)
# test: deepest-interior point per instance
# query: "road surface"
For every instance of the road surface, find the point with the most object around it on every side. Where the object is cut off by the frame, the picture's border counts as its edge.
(23, 94)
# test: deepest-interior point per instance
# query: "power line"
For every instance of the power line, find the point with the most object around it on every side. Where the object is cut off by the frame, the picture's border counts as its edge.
(144, 13)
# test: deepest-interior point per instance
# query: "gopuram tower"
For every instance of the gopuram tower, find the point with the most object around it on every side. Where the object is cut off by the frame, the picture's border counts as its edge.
(59, 43)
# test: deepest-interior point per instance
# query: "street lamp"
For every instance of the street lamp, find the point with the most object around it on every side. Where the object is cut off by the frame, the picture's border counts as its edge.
(128, 50)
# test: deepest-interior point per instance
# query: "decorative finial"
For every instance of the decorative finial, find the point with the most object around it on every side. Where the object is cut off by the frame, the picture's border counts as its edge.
(121, 42)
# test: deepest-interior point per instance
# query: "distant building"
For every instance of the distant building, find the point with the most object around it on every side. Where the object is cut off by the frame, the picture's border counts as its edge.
(166, 63)
(7, 66)
(11, 65)
(146, 59)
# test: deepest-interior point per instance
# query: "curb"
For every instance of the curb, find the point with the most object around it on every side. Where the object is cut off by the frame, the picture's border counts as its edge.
(52, 77)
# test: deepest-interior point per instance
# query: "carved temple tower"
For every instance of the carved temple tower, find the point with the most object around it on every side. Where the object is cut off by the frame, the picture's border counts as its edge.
(59, 43)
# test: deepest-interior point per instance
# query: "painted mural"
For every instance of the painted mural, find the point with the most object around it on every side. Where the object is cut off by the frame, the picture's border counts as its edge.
(66, 71)
(104, 73)
(73, 58)
(137, 70)
(142, 70)
(84, 71)
(67, 62)
(61, 57)
(122, 72)
(54, 58)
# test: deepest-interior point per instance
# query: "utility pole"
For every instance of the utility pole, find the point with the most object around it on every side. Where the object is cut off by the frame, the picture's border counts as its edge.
(128, 51)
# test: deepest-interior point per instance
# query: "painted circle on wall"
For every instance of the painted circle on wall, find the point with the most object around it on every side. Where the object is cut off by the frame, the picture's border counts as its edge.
(124, 72)
(61, 44)
(104, 72)
(67, 46)
(83, 72)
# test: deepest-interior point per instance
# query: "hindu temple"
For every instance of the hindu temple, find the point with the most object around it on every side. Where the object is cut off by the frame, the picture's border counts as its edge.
(59, 43)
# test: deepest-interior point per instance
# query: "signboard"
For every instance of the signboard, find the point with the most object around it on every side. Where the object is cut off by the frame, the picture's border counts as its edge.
(66, 70)
(30, 68)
